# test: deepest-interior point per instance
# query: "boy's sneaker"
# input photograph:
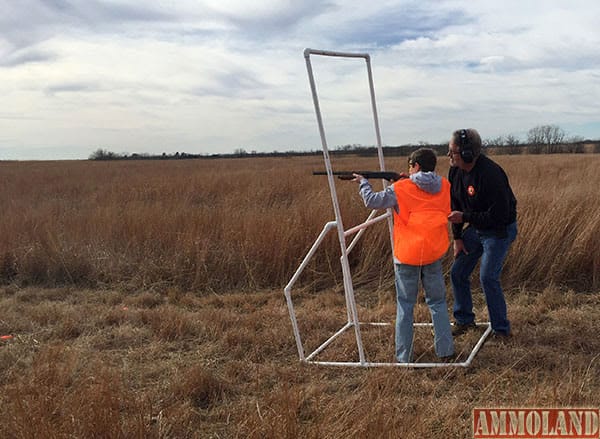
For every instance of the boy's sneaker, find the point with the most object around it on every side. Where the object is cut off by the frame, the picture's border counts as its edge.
(459, 329)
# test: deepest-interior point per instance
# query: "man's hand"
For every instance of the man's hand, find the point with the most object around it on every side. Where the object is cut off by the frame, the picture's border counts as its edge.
(459, 247)
(456, 217)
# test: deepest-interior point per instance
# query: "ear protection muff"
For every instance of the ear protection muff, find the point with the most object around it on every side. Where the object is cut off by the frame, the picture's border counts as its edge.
(466, 151)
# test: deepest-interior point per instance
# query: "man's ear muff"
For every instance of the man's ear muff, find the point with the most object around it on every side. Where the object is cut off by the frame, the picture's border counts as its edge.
(466, 151)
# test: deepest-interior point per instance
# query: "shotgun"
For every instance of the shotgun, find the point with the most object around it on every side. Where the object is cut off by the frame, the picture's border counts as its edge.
(347, 175)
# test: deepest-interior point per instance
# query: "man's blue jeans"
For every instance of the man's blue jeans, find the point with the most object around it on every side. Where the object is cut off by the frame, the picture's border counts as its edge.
(492, 252)
(407, 288)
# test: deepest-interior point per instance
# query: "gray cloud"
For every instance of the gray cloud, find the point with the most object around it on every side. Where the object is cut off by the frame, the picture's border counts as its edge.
(26, 56)
(393, 25)
(273, 21)
(234, 84)
(27, 22)
(73, 87)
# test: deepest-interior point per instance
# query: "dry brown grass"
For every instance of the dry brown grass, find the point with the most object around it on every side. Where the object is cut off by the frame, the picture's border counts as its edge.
(115, 364)
(223, 225)
(145, 300)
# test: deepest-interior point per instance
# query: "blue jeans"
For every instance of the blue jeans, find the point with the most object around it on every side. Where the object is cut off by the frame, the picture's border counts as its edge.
(407, 288)
(492, 251)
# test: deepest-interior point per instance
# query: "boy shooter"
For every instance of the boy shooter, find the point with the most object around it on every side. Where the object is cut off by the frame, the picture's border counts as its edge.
(421, 204)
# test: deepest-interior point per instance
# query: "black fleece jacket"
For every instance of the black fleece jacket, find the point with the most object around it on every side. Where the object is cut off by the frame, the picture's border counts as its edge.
(484, 196)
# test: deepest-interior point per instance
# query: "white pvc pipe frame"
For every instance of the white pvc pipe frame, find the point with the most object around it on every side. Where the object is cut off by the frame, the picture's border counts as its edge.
(352, 313)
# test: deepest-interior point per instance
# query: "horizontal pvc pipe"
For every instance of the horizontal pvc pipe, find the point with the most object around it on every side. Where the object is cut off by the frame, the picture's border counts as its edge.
(366, 224)
(360, 233)
(367, 364)
(308, 52)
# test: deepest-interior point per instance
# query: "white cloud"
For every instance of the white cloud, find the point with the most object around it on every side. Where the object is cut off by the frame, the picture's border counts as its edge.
(213, 76)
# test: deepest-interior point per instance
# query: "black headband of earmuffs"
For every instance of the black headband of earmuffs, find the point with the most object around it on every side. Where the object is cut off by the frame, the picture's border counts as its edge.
(466, 151)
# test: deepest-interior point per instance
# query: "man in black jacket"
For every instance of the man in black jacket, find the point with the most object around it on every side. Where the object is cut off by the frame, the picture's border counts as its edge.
(483, 201)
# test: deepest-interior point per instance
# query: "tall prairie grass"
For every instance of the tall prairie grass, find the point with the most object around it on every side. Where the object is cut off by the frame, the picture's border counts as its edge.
(245, 224)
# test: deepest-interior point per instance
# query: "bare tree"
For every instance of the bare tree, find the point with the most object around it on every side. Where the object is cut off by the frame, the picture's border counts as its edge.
(496, 141)
(512, 144)
(507, 144)
(545, 138)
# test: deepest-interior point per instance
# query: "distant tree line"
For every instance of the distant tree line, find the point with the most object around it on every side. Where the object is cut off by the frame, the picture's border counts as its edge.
(104, 154)
(541, 139)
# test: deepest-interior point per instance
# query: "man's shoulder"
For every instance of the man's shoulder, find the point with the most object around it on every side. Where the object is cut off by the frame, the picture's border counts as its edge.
(488, 164)
(485, 160)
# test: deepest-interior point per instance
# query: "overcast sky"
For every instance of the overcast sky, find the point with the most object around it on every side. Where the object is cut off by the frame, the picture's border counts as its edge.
(208, 76)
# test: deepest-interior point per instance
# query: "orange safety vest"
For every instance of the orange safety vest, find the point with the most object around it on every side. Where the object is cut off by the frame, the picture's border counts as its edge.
(421, 225)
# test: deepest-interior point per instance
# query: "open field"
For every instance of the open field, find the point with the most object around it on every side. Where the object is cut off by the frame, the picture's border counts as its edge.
(110, 364)
(144, 299)
(244, 224)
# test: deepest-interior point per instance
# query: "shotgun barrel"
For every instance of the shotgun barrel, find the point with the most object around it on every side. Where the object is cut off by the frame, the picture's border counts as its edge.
(347, 175)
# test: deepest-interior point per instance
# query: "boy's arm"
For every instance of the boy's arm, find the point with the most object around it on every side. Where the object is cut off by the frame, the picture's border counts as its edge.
(377, 200)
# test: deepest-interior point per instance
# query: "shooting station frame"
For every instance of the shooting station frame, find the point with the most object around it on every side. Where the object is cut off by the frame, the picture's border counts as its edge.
(351, 310)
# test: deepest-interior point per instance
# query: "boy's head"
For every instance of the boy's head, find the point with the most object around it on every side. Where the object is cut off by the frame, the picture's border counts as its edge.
(425, 157)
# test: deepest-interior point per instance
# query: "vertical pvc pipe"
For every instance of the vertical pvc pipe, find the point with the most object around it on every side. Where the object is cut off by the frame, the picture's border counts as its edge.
(347, 276)
(379, 144)
(375, 117)
(288, 299)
